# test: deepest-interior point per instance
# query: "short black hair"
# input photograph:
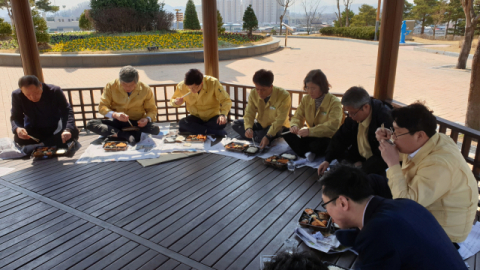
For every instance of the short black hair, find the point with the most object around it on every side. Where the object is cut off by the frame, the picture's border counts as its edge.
(263, 77)
(28, 80)
(297, 261)
(355, 97)
(348, 181)
(416, 117)
(319, 78)
(193, 76)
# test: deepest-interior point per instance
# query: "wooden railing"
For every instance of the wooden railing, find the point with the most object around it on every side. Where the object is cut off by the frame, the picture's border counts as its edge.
(85, 102)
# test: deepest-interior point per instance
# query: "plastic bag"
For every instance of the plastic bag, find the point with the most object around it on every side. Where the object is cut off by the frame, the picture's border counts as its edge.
(9, 149)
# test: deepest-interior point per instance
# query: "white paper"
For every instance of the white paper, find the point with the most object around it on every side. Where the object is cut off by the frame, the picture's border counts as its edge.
(471, 245)
(310, 241)
(5, 170)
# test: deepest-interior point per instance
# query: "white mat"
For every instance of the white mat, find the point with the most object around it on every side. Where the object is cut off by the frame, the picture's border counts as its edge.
(95, 153)
(279, 146)
(471, 245)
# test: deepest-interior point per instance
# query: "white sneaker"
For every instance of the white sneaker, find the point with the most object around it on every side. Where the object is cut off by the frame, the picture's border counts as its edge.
(310, 156)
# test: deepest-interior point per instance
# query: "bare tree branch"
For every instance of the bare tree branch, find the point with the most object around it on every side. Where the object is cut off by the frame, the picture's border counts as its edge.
(347, 4)
(311, 12)
(285, 4)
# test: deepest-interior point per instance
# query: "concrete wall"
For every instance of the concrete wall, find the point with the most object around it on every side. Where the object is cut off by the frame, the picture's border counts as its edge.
(137, 59)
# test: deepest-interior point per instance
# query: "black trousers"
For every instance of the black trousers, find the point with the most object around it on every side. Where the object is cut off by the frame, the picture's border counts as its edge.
(195, 125)
(46, 136)
(258, 131)
(108, 127)
(303, 145)
(374, 164)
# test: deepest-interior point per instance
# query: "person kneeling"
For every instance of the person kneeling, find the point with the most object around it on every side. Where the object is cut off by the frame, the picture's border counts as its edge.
(207, 102)
(41, 112)
(387, 234)
(266, 115)
(323, 114)
(130, 103)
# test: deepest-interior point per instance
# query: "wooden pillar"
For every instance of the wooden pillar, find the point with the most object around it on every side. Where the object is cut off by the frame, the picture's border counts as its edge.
(388, 49)
(26, 38)
(210, 37)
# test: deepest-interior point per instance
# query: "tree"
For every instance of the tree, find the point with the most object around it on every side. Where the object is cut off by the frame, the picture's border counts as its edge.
(347, 4)
(5, 29)
(422, 11)
(285, 4)
(40, 26)
(367, 16)
(220, 27)
(250, 21)
(438, 14)
(343, 19)
(311, 12)
(472, 119)
(407, 10)
(454, 13)
(84, 23)
(6, 4)
(46, 6)
(191, 17)
(471, 19)
(339, 14)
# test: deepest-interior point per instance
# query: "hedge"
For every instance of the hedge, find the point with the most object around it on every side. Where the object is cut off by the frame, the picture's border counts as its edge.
(367, 32)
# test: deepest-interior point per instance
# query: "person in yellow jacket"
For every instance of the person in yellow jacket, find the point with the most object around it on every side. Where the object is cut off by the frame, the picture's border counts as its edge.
(322, 113)
(266, 115)
(207, 102)
(128, 102)
(433, 171)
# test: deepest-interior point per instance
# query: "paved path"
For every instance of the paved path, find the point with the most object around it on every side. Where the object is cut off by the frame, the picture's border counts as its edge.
(345, 63)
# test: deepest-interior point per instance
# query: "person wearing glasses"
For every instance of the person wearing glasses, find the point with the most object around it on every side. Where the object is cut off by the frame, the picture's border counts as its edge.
(386, 234)
(266, 115)
(321, 111)
(127, 102)
(355, 140)
(433, 172)
(207, 102)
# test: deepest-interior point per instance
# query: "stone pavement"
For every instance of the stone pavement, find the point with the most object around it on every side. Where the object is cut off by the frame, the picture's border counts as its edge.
(420, 75)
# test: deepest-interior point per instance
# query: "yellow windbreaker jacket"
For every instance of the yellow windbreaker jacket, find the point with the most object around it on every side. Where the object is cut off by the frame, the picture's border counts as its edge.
(211, 101)
(323, 122)
(439, 178)
(140, 103)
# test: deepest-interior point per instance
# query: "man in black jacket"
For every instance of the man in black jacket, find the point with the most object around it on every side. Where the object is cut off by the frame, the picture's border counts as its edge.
(387, 234)
(41, 111)
(355, 140)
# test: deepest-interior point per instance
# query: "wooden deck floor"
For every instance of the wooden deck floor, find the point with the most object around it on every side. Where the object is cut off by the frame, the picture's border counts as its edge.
(204, 212)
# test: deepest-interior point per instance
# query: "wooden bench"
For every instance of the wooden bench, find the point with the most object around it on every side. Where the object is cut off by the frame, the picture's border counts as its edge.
(85, 105)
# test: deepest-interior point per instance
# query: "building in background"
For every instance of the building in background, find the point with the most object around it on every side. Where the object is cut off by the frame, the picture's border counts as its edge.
(59, 24)
(231, 10)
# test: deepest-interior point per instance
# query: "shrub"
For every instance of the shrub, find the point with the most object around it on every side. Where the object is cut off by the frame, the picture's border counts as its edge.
(84, 23)
(41, 28)
(367, 33)
(5, 29)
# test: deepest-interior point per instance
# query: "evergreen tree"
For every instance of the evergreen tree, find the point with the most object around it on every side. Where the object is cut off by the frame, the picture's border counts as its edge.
(220, 27)
(351, 15)
(191, 18)
(41, 28)
(367, 16)
(407, 10)
(422, 11)
(5, 28)
(84, 23)
(46, 6)
(250, 22)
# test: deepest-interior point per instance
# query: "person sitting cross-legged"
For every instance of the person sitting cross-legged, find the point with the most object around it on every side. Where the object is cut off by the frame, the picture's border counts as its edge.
(433, 171)
(355, 141)
(323, 114)
(41, 111)
(387, 234)
(129, 102)
(207, 102)
(267, 111)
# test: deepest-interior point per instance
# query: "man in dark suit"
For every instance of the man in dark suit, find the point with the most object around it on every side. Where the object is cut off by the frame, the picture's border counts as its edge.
(41, 111)
(355, 140)
(386, 234)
